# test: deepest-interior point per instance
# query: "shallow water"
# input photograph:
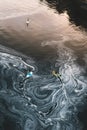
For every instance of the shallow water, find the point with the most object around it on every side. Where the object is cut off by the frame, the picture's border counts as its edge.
(51, 41)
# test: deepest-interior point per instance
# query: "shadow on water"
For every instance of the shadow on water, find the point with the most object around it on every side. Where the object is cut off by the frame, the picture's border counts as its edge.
(77, 15)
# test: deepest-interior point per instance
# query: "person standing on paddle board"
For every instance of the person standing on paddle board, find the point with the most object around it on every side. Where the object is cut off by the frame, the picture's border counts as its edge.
(27, 22)
(57, 75)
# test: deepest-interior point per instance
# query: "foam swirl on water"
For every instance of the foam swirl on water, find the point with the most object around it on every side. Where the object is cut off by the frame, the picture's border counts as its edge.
(44, 102)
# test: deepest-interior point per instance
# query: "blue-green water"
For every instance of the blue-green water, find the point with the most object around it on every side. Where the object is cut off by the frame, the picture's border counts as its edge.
(53, 40)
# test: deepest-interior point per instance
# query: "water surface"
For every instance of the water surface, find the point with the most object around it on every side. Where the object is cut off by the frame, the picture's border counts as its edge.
(51, 41)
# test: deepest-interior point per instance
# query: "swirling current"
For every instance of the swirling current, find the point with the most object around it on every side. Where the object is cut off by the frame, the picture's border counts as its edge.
(43, 102)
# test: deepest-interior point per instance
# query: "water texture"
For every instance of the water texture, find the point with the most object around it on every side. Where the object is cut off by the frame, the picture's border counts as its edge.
(52, 41)
(42, 102)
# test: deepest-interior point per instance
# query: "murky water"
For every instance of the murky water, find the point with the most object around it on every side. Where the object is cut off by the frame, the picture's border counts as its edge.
(51, 41)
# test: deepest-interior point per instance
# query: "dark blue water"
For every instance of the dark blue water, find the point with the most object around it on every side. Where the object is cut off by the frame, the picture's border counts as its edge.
(55, 39)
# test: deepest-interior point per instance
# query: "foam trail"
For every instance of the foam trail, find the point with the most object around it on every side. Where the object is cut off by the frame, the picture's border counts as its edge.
(43, 102)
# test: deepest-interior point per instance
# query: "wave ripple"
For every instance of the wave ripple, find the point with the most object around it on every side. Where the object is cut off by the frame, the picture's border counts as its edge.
(43, 103)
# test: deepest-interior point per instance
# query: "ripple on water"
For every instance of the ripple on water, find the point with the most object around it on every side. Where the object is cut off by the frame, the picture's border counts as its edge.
(43, 102)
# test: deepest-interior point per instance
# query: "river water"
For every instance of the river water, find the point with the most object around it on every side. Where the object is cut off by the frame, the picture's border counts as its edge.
(55, 39)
